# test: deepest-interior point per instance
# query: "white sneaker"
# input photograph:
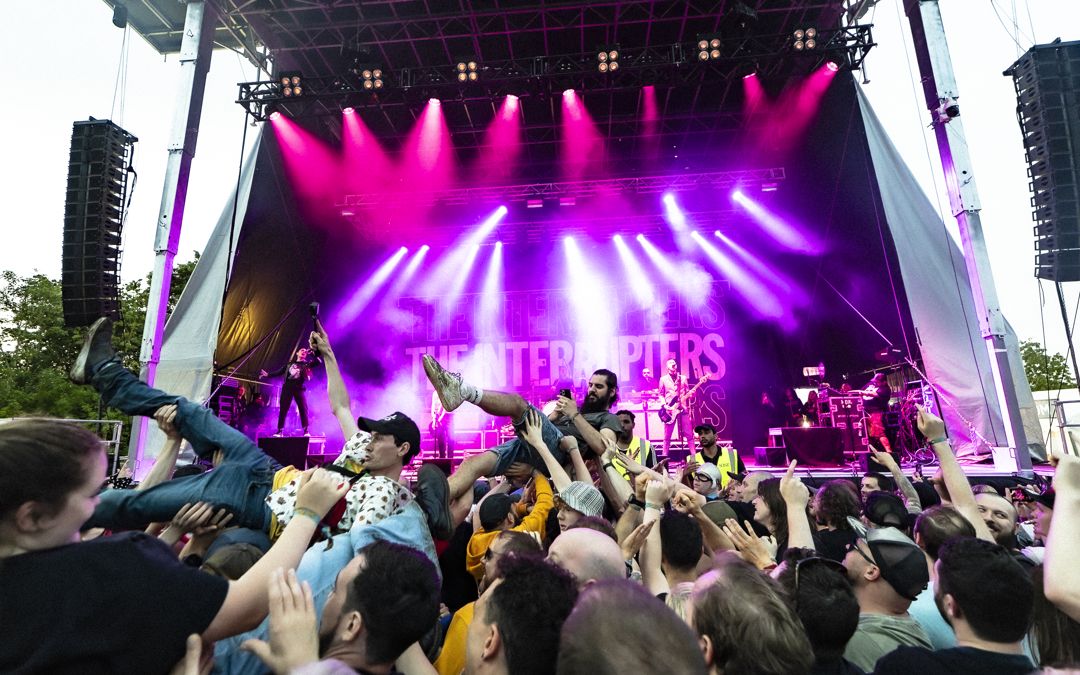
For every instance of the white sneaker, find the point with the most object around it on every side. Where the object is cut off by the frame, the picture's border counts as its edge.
(447, 384)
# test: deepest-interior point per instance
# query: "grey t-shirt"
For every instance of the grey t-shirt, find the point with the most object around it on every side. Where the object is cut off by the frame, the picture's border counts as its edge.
(597, 420)
(878, 634)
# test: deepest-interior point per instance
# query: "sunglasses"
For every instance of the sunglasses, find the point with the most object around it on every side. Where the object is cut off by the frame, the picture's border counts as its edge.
(854, 546)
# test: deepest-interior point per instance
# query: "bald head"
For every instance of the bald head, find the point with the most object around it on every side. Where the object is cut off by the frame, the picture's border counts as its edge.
(588, 555)
(750, 484)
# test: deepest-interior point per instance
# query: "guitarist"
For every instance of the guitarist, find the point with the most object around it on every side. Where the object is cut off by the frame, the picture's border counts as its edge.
(673, 386)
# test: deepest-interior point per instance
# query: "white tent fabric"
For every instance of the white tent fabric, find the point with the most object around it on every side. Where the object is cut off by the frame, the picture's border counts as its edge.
(939, 295)
(187, 351)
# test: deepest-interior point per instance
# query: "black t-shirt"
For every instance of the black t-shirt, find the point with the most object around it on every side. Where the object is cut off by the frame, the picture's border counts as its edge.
(955, 661)
(597, 420)
(832, 544)
(120, 604)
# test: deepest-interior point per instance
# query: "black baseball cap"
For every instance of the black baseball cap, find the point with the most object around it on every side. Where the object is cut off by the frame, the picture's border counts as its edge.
(901, 561)
(704, 427)
(494, 510)
(885, 509)
(738, 477)
(397, 424)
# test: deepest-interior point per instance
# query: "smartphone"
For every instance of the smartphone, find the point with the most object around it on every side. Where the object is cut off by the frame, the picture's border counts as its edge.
(566, 392)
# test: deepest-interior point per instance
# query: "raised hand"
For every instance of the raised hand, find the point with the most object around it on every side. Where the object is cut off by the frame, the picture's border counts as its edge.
(294, 638)
(756, 550)
(532, 431)
(566, 406)
(930, 425)
(520, 471)
(319, 490)
(883, 458)
(688, 501)
(165, 416)
(633, 541)
(793, 490)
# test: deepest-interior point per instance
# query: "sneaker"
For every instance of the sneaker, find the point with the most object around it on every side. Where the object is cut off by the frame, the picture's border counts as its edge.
(96, 349)
(447, 384)
(433, 497)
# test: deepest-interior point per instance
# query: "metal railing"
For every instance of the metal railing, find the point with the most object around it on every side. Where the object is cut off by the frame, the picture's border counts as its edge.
(110, 435)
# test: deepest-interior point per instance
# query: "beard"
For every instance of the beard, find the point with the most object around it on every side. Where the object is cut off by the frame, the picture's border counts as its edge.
(625, 436)
(592, 404)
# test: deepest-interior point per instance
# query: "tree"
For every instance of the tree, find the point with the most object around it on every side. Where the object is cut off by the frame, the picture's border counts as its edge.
(1045, 372)
(36, 349)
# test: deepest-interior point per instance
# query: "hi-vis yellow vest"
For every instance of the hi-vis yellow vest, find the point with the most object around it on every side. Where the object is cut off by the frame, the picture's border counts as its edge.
(727, 460)
(636, 452)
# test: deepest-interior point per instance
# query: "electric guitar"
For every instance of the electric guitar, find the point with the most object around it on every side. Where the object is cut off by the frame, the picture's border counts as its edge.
(676, 405)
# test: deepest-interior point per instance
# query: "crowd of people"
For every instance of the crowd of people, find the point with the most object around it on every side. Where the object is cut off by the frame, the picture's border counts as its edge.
(556, 552)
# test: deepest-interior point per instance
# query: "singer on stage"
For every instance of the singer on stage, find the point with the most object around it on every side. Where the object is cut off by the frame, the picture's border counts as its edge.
(297, 372)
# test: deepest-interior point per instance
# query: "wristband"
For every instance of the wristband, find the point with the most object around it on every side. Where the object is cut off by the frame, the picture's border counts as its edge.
(940, 439)
(304, 511)
(609, 465)
(634, 501)
(650, 505)
(576, 415)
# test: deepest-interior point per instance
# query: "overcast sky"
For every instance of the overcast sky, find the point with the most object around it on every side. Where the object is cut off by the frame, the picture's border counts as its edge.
(62, 59)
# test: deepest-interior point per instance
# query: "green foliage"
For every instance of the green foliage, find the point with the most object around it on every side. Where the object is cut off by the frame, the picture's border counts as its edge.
(36, 350)
(1045, 372)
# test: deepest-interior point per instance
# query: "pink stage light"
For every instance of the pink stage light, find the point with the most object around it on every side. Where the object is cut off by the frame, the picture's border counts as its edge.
(451, 264)
(635, 275)
(349, 111)
(502, 146)
(569, 93)
(582, 145)
(832, 65)
(756, 294)
(363, 295)
(593, 321)
(274, 116)
(781, 284)
(366, 167)
(491, 295)
(781, 232)
(691, 282)
(434, 101)
(650, 117)
(402, 280)
(312, 167)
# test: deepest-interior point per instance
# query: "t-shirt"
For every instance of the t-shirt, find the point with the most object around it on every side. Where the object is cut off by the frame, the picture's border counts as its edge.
(955, 661)
(832, 544)
(120, 604)
(597, 420)
(878, 634)
(925, 611)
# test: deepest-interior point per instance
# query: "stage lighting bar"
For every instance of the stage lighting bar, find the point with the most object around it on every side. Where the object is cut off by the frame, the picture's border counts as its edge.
(805, 39)
(708, 47)
(467, 70)
(292, 84)
(371, 78)
(607, 58)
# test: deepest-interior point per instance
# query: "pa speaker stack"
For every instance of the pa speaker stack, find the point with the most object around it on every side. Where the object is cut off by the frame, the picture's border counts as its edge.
(97, 187)
(1047, 81)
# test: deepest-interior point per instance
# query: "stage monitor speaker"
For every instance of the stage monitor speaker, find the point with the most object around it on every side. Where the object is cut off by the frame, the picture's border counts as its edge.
(97, 185)
(1047, 82)
(289, 450)
(444, 463)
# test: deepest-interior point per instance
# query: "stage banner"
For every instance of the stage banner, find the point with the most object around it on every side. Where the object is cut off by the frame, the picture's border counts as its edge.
(534, 342)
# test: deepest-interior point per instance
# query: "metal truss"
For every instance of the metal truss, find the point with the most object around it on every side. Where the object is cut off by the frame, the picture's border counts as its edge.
(580, 189)
(674, 65)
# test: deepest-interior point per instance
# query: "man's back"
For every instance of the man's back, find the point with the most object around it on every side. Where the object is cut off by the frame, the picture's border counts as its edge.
(955, 661)
(879, 634)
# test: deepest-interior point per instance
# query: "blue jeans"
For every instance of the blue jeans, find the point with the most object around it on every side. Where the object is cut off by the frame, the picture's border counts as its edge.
(517, 450)
(320, 566)
(239, 484)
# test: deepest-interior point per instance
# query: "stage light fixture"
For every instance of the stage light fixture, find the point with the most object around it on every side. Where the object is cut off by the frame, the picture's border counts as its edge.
(708, 47)
(608, 59)
(291, 84)
(371, 77)
(832, 65)
(349, 111)
(804, 39)
(468, 70)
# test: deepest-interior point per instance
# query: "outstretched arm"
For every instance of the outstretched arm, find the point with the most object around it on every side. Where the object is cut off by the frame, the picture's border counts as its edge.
(165, 463)
(1063, 544)
(796, 495)
(335, 384)
(535, 438)
(956, 482)
(911, 497)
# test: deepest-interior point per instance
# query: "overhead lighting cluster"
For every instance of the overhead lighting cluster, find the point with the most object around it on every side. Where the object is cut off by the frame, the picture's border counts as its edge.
(371, 78)
(291, 85)
(607, 59)
(805, 38)
(708, 47)
(467, 71)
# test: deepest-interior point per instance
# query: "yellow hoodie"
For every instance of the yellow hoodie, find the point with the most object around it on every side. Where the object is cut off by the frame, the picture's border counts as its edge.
(534, 522)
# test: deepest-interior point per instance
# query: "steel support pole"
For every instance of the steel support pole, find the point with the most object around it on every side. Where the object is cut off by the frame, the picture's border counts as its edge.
(939, 87)
(195, 51)
(1068, 331)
